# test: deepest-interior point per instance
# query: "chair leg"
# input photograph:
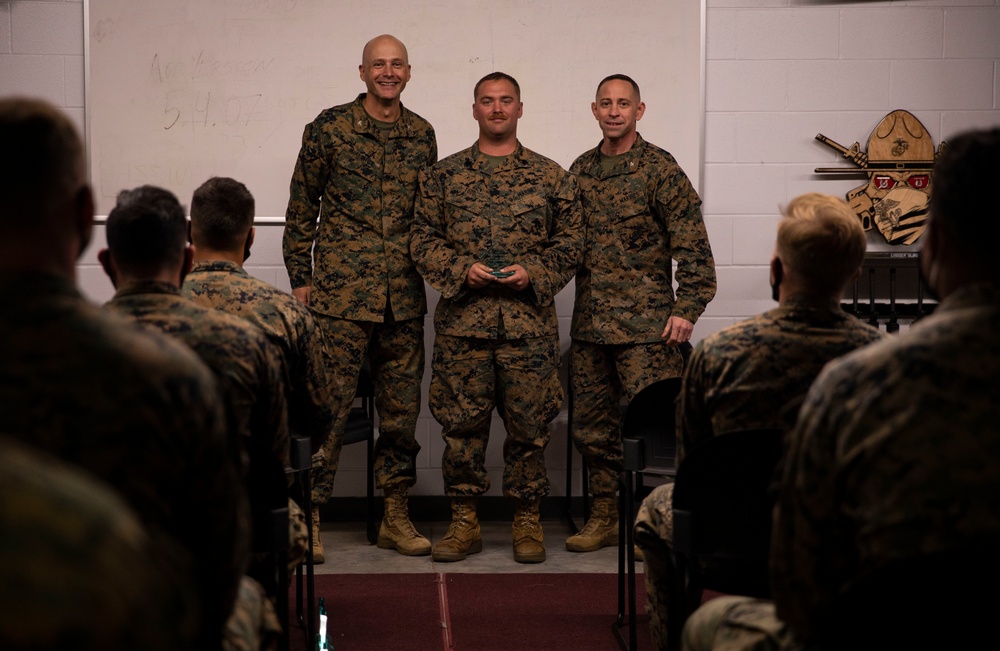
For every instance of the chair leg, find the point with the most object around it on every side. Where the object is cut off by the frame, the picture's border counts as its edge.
(310, 576)
(372, 519)
(626, 566)
(630, 556)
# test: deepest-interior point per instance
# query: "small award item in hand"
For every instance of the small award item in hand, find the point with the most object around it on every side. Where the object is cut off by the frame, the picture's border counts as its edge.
(496, 259)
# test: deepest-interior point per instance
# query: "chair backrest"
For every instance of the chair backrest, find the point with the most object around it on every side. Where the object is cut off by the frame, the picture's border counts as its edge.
(722, 502)
(648, 428)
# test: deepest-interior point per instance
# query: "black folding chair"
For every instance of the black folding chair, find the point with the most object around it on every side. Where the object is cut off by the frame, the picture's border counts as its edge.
(649, 443)
(722, 510)
(361, 427)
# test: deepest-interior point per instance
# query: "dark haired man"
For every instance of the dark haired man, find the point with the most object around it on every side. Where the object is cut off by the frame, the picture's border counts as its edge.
(222, 211)
(641, 214)
(497, 232)
(346, 242)
(147, 258)
(133, 407)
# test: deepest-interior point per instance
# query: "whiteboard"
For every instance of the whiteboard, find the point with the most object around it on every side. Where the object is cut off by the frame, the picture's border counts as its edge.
(181, 90)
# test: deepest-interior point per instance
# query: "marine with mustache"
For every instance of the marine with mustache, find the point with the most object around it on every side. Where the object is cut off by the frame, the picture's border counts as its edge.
(497, 232)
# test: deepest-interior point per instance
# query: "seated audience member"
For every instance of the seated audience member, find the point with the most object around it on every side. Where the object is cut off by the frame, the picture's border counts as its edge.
(147, 258)
(222, 212)
(77, 568)
(135, 408)
(754, 374)
(895, 462)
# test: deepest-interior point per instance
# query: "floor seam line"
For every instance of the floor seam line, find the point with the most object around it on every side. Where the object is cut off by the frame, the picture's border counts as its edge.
(446, 631)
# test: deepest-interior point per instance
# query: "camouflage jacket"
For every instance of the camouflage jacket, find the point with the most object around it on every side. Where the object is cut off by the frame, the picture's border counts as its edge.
(226, 286)
(528, 208)
(755, 373)
(636, 219)
(77, 564)
(360, 185)
(246, 364)
(896, 454)
(135, 408)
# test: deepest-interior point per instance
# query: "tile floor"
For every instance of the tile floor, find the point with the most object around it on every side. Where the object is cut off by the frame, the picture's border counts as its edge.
(348, 552)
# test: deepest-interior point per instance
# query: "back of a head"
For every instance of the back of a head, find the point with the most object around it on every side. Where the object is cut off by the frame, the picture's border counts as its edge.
(222, 211)
(147, 230)
(822, 241)
(42, 164)
(961, 202)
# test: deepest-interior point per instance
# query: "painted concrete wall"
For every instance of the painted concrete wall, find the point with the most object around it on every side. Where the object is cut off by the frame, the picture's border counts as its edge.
(778, 73)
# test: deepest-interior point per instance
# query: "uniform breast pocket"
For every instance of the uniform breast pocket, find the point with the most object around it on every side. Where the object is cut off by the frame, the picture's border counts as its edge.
(466, 224)
(531, 216)
(357, 173)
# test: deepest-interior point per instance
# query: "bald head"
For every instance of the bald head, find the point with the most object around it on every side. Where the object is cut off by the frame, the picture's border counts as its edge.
(382, 42)
(46, 207)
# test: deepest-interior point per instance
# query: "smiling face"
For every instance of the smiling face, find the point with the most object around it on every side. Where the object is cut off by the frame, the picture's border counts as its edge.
(385, 68)
(617, 109)
(497, 109)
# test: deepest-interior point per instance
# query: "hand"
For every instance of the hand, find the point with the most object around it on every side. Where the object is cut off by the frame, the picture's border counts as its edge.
(519, 281)
(678, 331)
(303, 294)
(479, 276)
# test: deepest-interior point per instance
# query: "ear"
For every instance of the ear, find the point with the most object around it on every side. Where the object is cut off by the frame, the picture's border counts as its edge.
(108, 264)
(248, 244)
(361, 72)
(640, 110)
(520, 110)
(593, 109)
(83, 207)
(188, 261)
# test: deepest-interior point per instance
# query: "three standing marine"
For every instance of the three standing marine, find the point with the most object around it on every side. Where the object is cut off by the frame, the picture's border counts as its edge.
(498, 230)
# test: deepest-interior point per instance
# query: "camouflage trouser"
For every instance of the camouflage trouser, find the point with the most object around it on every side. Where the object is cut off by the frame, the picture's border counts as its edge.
(599, 375)
(654, 534)
(736, 624)
(396, 351)
(519, 377)
(253, 624)
(298, 535)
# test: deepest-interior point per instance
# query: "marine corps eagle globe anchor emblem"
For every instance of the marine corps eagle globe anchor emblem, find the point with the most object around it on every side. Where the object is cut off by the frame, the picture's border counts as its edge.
(899, 163)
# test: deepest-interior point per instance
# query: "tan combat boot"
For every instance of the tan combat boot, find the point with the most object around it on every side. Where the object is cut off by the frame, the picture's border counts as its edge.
(397, 532)
(317, 544)
(464, 536)
(528, 539)
(601, 529)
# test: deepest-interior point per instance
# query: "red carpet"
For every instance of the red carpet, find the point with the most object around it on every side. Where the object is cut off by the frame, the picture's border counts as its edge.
(472, 612)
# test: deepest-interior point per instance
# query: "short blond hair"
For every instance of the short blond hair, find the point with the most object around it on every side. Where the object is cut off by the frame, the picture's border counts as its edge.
(821, 239)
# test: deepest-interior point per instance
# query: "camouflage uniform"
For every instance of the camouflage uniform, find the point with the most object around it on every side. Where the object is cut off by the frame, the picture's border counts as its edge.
(135, 408)
(226, 286)
(496, 345)
(896, 454)
(347, 234)
(247, 366)
(638, 216)
(749, 375)
(77, 568)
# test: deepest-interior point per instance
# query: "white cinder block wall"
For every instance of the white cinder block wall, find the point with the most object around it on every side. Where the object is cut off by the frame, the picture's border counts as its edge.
(778, 73)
